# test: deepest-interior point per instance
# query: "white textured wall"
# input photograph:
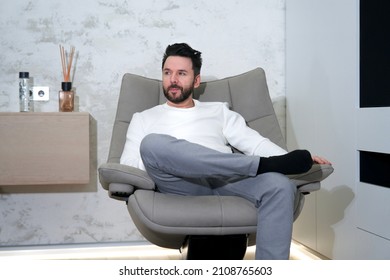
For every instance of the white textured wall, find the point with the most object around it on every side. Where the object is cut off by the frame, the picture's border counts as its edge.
(113, 37)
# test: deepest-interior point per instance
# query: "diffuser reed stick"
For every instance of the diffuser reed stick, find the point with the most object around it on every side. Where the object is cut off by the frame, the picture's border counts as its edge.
(66, 63)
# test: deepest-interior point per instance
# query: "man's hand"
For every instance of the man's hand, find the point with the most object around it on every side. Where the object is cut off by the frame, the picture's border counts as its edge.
(320, 160)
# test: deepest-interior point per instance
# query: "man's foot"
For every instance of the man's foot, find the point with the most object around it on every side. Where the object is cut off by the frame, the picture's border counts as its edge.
(295, 162)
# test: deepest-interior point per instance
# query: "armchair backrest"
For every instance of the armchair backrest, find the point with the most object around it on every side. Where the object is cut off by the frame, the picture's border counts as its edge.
(246, 93)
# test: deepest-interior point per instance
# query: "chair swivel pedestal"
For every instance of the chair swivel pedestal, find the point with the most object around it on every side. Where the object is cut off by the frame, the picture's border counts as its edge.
(215, 247)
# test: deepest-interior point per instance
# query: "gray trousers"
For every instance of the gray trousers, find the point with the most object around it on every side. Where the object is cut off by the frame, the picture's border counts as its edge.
(184, 168)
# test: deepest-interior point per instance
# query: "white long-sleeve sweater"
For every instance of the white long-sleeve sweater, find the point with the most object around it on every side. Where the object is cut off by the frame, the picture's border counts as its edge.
(211, 124)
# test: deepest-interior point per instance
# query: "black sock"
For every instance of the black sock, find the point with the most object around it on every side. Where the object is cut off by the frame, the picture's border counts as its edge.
(295, 162)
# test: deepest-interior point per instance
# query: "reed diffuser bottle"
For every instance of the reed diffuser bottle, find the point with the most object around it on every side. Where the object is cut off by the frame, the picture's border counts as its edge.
(66, 94)
(66, 97)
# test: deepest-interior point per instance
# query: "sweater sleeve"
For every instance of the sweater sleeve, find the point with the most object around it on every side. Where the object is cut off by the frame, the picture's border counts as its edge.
(245, 139)
(131, 151)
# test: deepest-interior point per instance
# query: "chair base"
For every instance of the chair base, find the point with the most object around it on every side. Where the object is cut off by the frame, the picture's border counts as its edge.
(215, 247)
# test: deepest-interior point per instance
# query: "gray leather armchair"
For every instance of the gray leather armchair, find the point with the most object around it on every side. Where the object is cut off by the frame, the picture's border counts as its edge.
(197, 223)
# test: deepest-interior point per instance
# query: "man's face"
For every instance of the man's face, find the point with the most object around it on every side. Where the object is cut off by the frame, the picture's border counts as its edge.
(178, 79)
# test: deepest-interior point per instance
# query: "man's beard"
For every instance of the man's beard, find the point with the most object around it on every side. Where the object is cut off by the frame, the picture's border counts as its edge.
(185, 93)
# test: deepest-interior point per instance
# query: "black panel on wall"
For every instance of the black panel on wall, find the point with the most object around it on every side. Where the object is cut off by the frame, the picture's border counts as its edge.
(375, 168)
(374, 53)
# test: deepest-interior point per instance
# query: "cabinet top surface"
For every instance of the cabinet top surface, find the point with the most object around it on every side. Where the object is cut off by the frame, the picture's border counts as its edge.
(31, 114)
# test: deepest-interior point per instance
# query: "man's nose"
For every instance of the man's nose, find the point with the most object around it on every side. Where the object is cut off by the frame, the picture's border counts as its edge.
(174, 79)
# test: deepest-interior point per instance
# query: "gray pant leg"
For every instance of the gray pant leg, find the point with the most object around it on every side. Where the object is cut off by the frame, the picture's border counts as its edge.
(181, 167)
(165, 155)
(273, 194)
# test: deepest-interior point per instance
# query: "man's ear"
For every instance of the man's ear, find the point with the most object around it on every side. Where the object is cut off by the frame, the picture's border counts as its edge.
(197, 81)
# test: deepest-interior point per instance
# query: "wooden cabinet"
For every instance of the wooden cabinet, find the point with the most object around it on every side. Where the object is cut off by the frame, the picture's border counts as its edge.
(44, 148)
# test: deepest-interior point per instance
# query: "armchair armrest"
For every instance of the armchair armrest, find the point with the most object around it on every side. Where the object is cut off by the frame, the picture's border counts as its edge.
(121, 174)
(316, 174)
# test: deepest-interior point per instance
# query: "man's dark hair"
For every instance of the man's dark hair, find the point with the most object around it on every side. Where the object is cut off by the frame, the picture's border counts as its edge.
(184, 50)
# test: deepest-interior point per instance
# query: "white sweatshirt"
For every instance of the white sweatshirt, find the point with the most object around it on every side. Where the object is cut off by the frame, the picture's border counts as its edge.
(211, 124)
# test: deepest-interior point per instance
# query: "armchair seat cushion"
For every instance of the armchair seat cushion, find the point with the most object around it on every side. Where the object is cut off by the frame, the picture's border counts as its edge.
(194, 214)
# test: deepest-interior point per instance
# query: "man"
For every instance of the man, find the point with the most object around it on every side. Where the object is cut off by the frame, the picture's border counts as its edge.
(185, 147)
